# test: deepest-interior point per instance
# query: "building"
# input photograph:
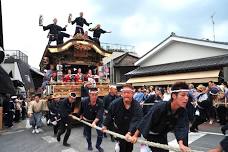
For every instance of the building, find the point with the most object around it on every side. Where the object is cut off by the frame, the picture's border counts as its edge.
(22, 75)
(180, 58)
(120, 62)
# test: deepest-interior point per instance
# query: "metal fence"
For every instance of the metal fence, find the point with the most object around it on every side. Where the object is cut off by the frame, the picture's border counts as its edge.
(16, 54)
(118, 47)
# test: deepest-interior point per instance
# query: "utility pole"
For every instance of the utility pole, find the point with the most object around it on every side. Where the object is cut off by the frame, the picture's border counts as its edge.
(2, 54)
(1, 27)
(213, 24)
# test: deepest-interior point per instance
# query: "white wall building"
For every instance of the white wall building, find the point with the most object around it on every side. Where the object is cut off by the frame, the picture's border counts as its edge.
(180, 58)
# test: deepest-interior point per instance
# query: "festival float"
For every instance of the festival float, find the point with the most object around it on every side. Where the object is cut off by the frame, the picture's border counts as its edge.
(65, 60)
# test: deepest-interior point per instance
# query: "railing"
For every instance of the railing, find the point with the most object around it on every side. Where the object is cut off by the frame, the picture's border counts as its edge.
(118, 47)
(16, 54)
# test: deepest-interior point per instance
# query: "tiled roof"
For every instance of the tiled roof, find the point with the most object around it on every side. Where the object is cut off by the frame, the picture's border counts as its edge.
(126, 59)
(184, 66)
(183, 37)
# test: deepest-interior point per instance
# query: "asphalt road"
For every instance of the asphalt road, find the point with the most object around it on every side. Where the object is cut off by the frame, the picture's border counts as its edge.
(20, 139)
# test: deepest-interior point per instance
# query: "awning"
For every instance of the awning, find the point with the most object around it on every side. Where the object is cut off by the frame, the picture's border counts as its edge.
(190, 77)
(36, 71)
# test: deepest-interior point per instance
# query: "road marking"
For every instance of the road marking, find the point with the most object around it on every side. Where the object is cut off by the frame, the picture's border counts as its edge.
(191, 138)
(69, 150)
(194, 136)
(49, 139)
(211, 133)
(11, 132)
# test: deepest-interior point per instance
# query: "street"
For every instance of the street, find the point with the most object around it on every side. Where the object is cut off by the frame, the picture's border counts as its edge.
(20, 139)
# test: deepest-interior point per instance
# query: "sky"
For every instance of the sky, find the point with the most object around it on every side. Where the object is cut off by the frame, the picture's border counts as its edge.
(143, 24)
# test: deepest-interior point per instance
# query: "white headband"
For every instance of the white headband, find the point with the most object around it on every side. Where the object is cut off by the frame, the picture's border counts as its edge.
(112, 86)
(180, 90)
(127, 89)
(94, 91)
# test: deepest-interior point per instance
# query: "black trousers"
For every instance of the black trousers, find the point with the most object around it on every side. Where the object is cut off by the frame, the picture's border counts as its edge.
(79, 30)
(8, 119)
(23, 113)
(56, 128)
(17, 116)
(199, 119)
(96, 40)
(191, 111)
(125, 146)
(61, 35)
(64, 126)
(87, 130)
(162, 139)
(221, 110)
(224, 144)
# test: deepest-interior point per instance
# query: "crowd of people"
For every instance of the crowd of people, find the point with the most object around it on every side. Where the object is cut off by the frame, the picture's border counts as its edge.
(56, 32)
(14, 109)
(150, 111)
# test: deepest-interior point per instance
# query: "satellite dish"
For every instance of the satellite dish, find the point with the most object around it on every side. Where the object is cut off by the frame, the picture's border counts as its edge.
(2, 55)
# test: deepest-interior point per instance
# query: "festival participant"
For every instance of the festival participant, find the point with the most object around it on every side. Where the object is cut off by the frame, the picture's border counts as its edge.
(80, 21)
(84, 94)
(46, 63)
(107, 100)
(164, 117)
(85, 89)
(67, 77)
(79, 76)
(49, 75)
(53, 106)
(65, 108)
(55, 32)
(124, 115)
(86, 36)
(92, 111)
(88, 75)
(97, 31)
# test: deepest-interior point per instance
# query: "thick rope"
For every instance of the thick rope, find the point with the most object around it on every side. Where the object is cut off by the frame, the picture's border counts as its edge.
(158, 145)
(148, 104)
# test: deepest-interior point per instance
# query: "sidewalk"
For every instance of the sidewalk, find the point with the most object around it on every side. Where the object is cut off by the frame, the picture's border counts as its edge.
(16, 126)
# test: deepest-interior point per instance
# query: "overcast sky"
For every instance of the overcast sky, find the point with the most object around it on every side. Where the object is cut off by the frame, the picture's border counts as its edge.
(142, 23)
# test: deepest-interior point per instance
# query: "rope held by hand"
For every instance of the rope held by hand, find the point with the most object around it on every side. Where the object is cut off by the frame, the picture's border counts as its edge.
(153, 144)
